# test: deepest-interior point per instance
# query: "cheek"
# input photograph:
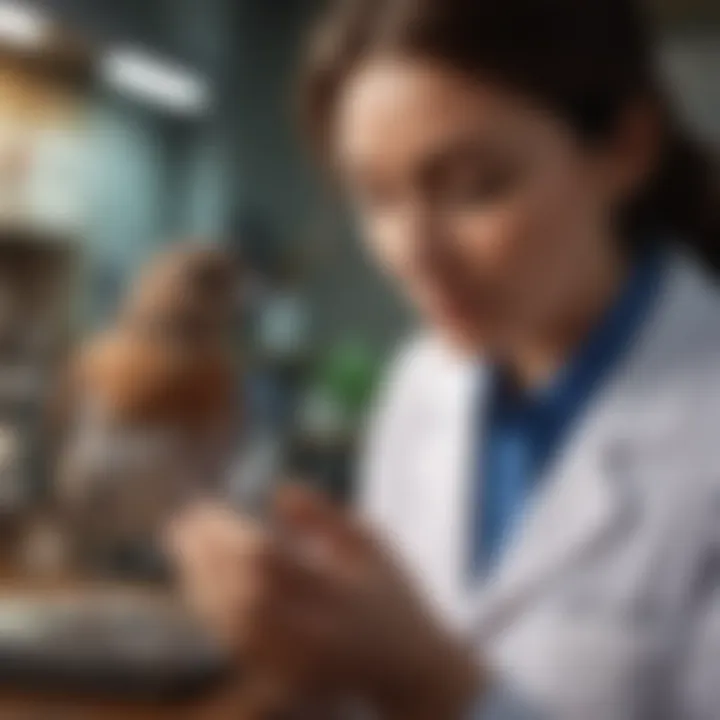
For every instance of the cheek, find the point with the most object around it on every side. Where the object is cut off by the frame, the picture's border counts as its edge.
(387, 241)
(561, 213)
(529, 242)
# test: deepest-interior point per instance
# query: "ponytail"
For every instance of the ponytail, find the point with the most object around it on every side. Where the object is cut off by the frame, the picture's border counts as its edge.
(684, 200)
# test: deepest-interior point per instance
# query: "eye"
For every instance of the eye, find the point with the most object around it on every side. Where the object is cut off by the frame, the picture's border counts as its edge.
(475, 185)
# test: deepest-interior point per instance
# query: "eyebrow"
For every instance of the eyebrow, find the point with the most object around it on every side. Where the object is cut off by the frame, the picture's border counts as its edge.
(453, 152)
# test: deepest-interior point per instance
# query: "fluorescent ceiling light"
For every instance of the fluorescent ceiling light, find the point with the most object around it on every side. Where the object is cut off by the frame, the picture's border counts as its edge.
(155, 81)
(22, 25)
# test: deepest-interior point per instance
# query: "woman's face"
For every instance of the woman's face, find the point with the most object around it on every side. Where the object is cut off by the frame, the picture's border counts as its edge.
(486, 210)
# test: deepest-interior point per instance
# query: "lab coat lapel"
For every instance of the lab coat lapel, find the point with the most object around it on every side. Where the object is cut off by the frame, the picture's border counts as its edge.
(577, 507)
(591, 494)
(577, 504)
(442, 492)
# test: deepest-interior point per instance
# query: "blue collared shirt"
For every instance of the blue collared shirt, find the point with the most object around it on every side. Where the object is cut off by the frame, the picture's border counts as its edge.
(523, 432)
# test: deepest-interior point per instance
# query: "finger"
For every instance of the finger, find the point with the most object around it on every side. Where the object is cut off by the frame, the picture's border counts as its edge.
(220, 569)
(214, 541)
(298, 506)
(233, 605)
(290, 577)
(316, 523)
(285, 638)
(217, 522)
(257, 597)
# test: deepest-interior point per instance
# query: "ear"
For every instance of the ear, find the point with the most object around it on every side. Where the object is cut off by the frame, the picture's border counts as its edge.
(634, 152)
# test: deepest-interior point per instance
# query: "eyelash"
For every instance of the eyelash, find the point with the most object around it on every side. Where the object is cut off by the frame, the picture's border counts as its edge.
(480, 189)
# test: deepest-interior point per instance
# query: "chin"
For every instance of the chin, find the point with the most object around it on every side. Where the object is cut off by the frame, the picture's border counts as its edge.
(467, 339)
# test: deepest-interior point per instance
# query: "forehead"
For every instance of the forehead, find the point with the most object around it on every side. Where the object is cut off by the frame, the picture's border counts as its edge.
(396, 110)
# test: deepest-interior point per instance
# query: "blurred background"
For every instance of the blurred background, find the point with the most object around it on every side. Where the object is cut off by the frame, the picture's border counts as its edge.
(131, 128)
(142, 129)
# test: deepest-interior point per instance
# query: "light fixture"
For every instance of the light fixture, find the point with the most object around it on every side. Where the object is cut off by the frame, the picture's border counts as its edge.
(156, 81)
(22, 25)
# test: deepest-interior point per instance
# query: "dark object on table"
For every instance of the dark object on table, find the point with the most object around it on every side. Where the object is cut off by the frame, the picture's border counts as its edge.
(111, 647)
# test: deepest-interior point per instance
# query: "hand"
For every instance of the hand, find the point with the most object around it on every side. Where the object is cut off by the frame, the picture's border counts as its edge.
(320, 605)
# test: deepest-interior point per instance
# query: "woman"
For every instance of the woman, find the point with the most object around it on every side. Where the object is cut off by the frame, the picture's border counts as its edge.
(150, 406)
(545, 458)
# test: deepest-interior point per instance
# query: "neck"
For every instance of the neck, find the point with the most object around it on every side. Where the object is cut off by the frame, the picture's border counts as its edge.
(538, 356)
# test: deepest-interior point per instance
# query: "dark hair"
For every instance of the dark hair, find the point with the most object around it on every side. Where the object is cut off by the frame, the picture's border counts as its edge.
(584, 59)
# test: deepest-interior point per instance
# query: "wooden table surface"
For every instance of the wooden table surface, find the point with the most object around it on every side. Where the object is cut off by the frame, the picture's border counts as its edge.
(221, 704)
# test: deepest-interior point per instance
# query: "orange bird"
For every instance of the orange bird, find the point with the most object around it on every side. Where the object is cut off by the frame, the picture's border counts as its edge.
(150, 405)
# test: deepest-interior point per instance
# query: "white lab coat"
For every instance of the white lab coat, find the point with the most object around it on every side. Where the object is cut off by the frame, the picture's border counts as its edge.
(607, 604)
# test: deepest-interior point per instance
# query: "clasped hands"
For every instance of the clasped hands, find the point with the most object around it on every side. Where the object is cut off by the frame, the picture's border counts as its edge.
(314, 605)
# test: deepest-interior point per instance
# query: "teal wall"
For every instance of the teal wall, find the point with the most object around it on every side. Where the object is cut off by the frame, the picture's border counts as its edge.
(128, 164)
